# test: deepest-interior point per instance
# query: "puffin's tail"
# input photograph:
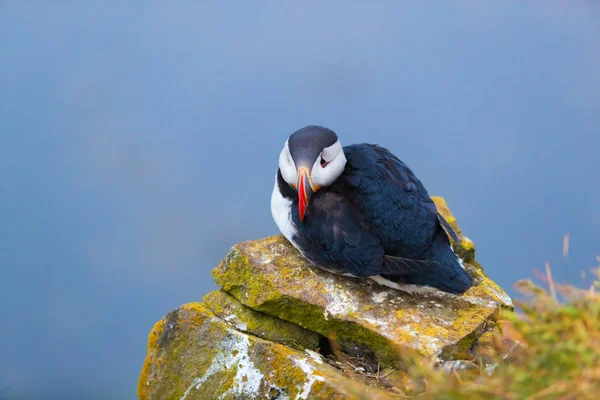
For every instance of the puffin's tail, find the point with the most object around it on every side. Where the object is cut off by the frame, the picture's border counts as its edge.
(449, 276)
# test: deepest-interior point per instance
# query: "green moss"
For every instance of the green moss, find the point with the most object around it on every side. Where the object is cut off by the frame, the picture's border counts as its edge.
(310, 316)
(167, 347)
(183, 346)
(550, 350)
(559, 358)
(260, 324)
(347, 332)
(269, 276)
(253, 287)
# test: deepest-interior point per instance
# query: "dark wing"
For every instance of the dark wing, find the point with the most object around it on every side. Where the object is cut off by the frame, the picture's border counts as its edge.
(447, 227)
(397, 266)
(406, 179)
(393, 200)
(333, 238)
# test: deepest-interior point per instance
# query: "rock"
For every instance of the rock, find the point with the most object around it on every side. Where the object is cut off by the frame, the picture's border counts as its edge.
(261, 335)
(465, 249)
(195, 355)
(244, 319)
(270, 276)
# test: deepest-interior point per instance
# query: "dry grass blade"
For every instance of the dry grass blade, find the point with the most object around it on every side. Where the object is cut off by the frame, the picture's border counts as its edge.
(550, 281)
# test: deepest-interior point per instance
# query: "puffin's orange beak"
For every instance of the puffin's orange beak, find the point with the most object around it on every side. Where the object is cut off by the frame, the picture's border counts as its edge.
(305, 191)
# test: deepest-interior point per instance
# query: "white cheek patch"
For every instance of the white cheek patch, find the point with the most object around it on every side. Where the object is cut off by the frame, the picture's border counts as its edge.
(331, 152)
(287, 166)
(325, 176)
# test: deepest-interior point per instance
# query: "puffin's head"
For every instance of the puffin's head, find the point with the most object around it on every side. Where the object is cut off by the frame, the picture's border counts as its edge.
(312, 158)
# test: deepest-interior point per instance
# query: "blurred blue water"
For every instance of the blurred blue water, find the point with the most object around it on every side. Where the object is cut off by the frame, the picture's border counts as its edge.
(138, 143)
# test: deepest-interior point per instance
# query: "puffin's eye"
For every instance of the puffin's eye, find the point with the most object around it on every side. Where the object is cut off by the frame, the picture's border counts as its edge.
(323, 162)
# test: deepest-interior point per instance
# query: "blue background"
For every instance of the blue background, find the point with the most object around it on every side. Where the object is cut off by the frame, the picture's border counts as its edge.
(138, 143)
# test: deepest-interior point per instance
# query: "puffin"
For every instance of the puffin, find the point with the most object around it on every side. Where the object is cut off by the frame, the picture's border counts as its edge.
(359, 211)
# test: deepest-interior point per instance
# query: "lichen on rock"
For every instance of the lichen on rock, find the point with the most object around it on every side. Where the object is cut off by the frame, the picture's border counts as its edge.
(245, 319)
(195, 355)
(260, 335)
(270, 276)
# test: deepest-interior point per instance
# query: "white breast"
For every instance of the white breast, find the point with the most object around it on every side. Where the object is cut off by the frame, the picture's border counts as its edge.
(281, 209)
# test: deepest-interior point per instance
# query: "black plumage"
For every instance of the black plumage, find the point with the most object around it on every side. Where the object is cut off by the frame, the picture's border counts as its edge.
(376, 218)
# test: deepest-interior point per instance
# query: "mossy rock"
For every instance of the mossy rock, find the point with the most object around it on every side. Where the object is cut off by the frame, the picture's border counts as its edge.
(195, 355)
(269, 275)
(245, 319)
(466, 248)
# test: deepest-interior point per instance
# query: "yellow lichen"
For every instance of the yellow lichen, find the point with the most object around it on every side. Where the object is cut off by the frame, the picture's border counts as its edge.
(260, 324)
(466, 318)
(270, 276)
(443, 209)
(264, 275)
(152, 358)
(467, 244)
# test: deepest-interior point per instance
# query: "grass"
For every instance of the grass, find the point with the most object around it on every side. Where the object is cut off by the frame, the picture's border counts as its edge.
(549, 349)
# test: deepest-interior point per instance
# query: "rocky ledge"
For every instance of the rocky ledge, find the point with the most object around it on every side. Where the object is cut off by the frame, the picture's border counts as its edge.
(281, 329)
